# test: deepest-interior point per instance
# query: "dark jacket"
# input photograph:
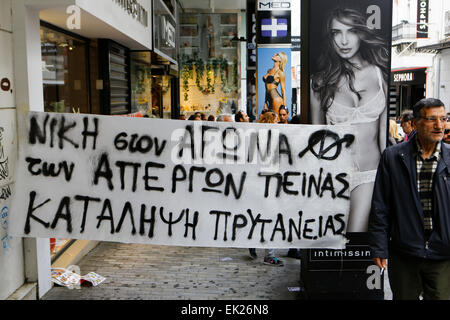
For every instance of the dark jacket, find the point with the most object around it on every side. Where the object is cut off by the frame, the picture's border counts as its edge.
(396, 218)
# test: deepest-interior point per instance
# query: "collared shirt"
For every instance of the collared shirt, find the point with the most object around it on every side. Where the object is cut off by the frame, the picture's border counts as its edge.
(425, 173)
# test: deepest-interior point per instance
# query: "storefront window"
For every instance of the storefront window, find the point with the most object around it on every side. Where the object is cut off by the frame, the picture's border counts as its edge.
(56, 245)
(167, 94)
(64, 72)
(151, 91)
(170, 4)
(65, 82)
(209, 79)
(141, 83)
(162, 96)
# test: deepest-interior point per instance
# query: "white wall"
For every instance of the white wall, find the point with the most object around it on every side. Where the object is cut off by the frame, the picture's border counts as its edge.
(29, 96)
(11, 248)
(407, 10)
(111, 13)
(443, 88)
(438, 75)
(441, 80)
(99, 19)
(411, 60)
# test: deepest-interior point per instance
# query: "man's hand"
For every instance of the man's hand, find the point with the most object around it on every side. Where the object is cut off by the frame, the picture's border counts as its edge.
(380, 262)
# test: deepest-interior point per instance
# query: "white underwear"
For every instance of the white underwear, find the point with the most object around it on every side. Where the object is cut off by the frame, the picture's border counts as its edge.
(361, 177)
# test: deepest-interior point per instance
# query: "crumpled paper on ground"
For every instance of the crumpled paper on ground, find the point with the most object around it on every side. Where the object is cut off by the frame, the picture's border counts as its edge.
(67, 278)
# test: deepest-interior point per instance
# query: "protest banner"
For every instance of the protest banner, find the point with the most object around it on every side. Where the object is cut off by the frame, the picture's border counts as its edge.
(186, 183)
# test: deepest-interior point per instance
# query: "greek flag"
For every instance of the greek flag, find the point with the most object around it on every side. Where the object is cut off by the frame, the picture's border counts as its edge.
(272, 28)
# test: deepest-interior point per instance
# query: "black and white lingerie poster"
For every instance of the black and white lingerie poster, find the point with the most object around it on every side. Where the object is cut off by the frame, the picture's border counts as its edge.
(349, 58)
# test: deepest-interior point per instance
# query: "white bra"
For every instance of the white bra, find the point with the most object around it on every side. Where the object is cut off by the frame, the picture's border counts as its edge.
(339, 113)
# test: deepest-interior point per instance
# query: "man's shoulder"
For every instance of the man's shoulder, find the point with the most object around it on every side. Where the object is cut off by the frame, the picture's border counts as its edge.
(445, 146)
(445, 149)
(399, 148)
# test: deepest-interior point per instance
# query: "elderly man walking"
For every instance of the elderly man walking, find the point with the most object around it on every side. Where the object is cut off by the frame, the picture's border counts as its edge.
(409, 224)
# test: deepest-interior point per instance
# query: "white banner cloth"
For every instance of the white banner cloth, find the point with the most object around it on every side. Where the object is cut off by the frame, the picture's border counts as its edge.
(185, 183)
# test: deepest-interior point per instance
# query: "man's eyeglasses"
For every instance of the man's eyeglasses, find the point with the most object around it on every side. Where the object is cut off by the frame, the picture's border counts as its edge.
(433, 119)
(446, 131)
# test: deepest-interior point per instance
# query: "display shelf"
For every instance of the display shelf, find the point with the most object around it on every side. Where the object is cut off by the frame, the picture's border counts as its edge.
(54, 82)
(190, 48)
(118, 87)
(228, 18)
(213, 44)
(121, 71)
(117, 79)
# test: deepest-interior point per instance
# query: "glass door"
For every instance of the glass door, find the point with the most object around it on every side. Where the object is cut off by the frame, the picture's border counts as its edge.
(64, 72)
(161, 96)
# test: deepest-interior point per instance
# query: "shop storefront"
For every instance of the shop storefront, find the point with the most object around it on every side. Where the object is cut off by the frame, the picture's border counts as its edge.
(409, 87)
(209, 63)
(141, 82)
(164, 61)
(87, 71)
(54, 49)
(65, 84)
(114, 77)
(99, 67)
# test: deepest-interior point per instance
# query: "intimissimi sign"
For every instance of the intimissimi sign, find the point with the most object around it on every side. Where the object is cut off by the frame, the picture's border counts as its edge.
(134, 9)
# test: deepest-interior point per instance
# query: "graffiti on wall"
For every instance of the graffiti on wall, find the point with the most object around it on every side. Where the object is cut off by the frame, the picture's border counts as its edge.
(5, 85)
(4, 172)
(5, 238)
(5, 193)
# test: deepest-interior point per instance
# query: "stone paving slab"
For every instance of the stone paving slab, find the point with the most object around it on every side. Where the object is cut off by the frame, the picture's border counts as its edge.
(149, 272)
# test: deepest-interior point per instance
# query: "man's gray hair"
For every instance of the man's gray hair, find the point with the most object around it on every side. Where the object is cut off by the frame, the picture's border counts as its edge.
(221, 117)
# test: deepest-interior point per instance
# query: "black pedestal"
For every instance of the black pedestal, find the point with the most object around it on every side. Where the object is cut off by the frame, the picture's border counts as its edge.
(348, 274)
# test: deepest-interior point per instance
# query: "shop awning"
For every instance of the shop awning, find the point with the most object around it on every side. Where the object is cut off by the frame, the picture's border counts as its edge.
(433, 48)
(416, 75)
(102, 19)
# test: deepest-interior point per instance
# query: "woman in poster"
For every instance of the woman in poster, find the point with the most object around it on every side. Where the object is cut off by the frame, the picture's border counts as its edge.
(273, 78)
(350, 87)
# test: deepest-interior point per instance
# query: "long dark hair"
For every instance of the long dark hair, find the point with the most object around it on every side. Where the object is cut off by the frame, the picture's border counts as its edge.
(332, 67)
(239, 116)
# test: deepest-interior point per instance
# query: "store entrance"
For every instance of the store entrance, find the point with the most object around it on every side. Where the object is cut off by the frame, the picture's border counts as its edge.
(153, 86)
(64, 71)
(165, 91)
(417, 93)
(161, 96)
(409, 95)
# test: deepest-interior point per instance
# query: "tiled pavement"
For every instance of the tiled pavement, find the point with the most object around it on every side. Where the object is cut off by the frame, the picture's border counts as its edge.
(149, 272)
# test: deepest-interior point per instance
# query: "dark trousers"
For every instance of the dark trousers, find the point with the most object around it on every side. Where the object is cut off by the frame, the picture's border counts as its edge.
(409, 276)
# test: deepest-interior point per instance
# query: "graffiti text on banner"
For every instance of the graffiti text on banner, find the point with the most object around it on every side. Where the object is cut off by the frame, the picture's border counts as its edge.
(186, 183)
